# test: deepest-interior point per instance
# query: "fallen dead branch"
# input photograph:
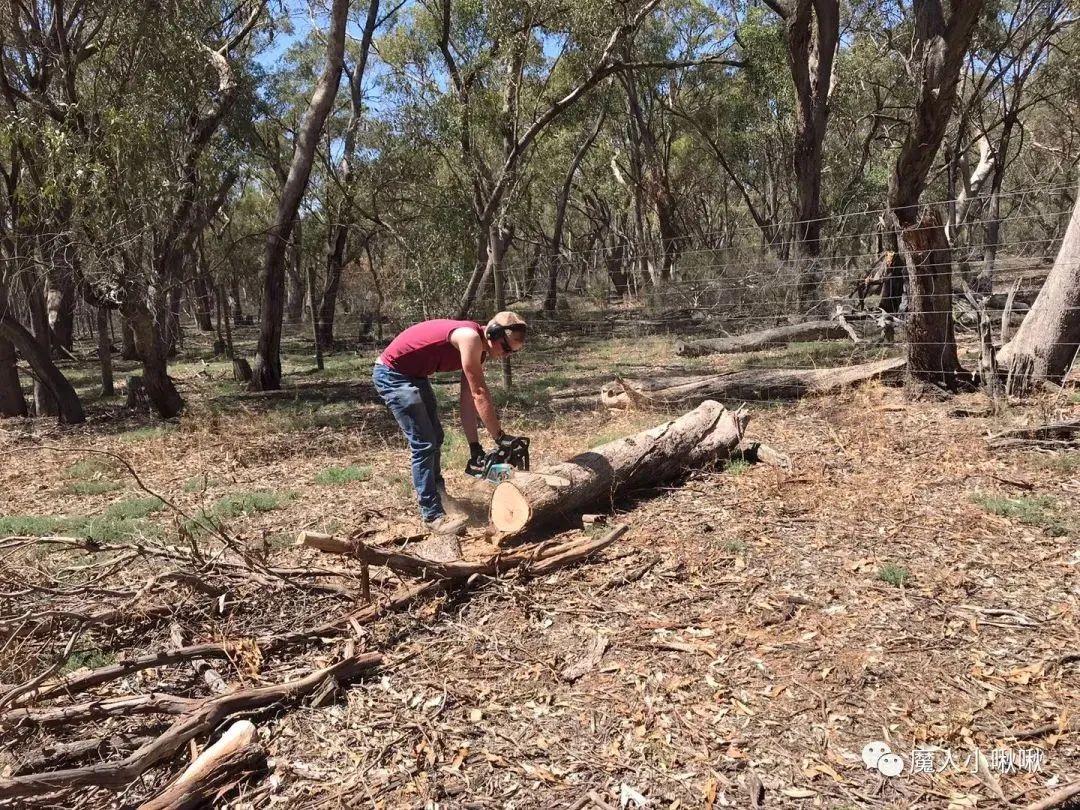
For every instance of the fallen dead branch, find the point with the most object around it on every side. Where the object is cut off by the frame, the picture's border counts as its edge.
(217, 650)
(764, 339)
(208, 714)
(747, 386)
(1053, 435)
(235, 755)
(1060, 798)
(537, 560)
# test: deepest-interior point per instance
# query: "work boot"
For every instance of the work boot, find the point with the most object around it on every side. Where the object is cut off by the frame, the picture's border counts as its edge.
(445, 524)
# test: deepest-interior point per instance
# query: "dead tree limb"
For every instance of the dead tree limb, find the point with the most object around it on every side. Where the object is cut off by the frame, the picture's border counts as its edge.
(202, 720)
(764, 339)
(760, 384)
(237, 754)
(707, 434)
(537, 559)
(210, 676)
(217, 650)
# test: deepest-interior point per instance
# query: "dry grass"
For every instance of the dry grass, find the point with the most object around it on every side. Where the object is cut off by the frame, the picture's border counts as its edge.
(757, 621)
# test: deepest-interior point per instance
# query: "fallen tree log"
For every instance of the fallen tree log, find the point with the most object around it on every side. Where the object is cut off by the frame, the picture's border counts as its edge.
(236, 754)
(760, 384)
(209, 713)
(707, 434)
(764, 339)
(539, 559)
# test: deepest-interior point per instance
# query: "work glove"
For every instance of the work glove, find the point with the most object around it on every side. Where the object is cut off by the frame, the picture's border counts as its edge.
(505, 441)
(475, 465)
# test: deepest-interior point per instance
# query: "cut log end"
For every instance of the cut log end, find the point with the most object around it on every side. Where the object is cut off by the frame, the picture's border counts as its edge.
(510, 511)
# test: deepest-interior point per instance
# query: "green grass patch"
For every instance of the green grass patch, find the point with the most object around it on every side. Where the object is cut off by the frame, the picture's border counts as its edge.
(105, 527)
(146, 434)
(302, 416)
(199, 483)
(735, 546)
(250, 503)
(91, 487)
(342, 475)
(280, 540)
(89, 469)
(239, 504)
(1031, 510)
(90, 659)
(737, 467)
(895, 575)
(134, 508)
(402, 485)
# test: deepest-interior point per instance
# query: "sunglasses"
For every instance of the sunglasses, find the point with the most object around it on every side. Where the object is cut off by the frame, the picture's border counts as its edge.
(505, 343)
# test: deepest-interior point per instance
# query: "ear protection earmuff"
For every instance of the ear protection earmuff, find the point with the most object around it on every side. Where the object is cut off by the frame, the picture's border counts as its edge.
(496, 331)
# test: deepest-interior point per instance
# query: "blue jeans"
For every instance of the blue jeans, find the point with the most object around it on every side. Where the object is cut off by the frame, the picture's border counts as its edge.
(412, 402)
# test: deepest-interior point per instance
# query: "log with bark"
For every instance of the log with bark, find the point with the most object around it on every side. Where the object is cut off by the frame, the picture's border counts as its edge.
(764, 339)
(751, 385)
(206, 716)
(707, 434)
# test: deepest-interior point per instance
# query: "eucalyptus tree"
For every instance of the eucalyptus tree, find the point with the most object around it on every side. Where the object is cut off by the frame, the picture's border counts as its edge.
(939, 48)
(266, 373)
(1046, 344)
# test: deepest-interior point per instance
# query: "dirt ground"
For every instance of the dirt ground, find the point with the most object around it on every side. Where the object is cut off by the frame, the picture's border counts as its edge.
(903, 582)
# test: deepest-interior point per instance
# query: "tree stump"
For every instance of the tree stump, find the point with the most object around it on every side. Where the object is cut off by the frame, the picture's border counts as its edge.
(137, 399)
(241, 370)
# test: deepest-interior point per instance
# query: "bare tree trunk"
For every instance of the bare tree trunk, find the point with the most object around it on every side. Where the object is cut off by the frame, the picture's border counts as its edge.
(202, 284)
(12, 400)
(153, 348)
(45, 403)
(60, 297)
(499, 242)
(294, 307)
(104, 347)
(1046, 343)
(172, 322)
(316, 332)
(707, 434)
(237, 311)
(338, 237)
(61, 392)
(931, 340)
(223, 316)
(267, 371)
(200, 301)
(129, 350)
(940, 50)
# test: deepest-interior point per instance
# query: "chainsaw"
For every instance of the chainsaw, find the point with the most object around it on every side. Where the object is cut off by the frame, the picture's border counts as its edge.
(500, 463)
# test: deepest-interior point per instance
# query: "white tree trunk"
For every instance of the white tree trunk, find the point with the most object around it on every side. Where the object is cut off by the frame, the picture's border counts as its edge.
(1046, 342)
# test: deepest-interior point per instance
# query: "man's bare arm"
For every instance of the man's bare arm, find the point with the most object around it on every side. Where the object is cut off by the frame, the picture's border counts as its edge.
(468, 412)
(472, 368)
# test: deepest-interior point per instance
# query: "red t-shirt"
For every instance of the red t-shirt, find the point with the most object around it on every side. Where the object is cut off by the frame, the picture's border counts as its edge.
(425, 348)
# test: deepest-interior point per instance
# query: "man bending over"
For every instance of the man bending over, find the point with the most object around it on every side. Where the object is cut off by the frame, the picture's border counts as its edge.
(401, 377)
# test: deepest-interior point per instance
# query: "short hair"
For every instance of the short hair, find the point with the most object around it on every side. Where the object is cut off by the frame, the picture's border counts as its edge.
(508, 318)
